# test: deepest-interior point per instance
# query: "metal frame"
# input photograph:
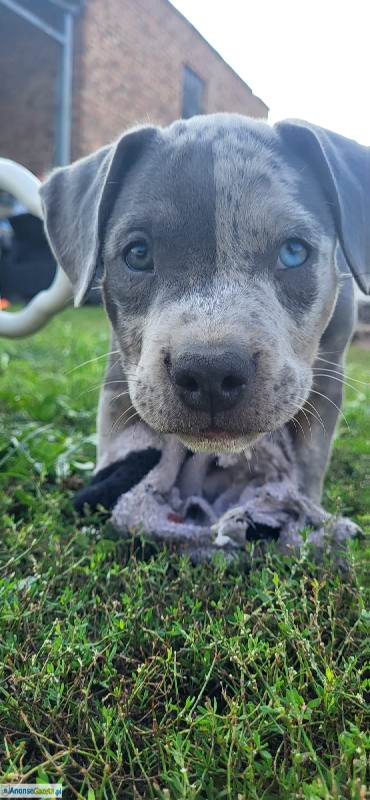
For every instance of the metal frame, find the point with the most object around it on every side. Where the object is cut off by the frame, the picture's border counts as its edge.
(23, 185)
(65, 40)
(68, 5)
(64, 113)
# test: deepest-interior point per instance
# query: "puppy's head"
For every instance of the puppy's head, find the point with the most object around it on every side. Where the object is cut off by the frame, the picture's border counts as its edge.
(217, 239)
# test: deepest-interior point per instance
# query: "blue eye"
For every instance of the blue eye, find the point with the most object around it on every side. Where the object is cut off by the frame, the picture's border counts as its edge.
(138, 257)
(293, 253)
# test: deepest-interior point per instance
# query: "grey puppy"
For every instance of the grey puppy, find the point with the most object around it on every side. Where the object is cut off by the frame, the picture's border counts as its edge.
(225, 248)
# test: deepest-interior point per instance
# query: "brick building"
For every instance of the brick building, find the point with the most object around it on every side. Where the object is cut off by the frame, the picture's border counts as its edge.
(74, 73)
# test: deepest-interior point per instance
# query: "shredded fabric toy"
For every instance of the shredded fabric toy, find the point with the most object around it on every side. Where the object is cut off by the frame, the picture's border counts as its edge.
(203, 503)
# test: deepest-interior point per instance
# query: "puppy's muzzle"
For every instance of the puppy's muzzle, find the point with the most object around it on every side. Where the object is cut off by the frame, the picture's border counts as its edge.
(212, 381)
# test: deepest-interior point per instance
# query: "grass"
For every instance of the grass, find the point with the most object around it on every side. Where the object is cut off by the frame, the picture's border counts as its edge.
(125, 672)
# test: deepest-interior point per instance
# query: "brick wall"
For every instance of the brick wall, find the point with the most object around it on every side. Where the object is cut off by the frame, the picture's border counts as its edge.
(128, 61)
(132, 56)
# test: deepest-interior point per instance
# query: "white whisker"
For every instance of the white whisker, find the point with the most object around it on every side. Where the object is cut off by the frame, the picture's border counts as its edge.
(90, 361)
(122, 417)
(117, 396)
(340, 373)
(313, 391)
(315, 414)
(335, 378)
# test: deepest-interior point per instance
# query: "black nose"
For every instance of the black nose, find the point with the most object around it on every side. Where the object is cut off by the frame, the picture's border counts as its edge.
(211, 381)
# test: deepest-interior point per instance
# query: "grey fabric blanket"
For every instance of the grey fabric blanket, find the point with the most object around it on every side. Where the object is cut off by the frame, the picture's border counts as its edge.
(203, 503)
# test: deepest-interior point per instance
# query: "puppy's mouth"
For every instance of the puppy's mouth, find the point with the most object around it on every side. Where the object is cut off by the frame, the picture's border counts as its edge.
(215, 434)
(214, 439)
(218, 434)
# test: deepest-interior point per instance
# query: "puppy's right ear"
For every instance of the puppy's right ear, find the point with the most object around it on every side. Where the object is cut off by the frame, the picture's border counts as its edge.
(78, 199)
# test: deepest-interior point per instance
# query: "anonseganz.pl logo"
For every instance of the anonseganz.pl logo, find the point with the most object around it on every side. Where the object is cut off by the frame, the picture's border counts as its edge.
(50, 790)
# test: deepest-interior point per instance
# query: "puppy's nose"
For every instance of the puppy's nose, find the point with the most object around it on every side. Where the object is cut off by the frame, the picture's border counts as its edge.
(211, 381)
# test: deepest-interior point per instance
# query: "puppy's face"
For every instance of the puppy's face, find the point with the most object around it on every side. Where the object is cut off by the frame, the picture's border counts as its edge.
(220, 279)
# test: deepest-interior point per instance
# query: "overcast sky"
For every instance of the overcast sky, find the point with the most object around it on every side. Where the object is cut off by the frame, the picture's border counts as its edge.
(305, 58)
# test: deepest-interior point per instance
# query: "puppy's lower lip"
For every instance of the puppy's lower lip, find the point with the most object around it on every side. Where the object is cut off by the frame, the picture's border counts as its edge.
(213, 433)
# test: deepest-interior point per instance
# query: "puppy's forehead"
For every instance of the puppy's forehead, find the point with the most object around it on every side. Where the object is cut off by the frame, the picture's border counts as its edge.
(228, 128)
(241, 148)
(231, 169)
(241, 154)
(212, 185)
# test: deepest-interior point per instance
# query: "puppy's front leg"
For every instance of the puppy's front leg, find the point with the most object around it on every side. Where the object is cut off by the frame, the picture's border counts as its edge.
(313, 433)
(314, 429)
(115, 411)
(126, 452)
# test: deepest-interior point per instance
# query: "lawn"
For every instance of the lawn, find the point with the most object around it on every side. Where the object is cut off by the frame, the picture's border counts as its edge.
(125, 672)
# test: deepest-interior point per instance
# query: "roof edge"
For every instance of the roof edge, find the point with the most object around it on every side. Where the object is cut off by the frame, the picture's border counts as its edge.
(216, 52)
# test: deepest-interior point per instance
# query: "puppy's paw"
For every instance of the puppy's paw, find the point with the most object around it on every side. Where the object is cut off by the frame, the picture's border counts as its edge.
(335, 536)
(110, 483)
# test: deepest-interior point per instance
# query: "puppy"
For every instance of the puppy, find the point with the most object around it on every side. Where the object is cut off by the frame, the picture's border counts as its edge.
(226, 250)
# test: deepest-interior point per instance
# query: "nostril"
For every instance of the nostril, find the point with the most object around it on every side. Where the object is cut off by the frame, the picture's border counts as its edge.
(187, 382)
(232, 382)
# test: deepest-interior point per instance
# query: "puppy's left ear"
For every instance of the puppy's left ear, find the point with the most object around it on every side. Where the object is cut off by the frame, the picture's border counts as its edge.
(342, 168)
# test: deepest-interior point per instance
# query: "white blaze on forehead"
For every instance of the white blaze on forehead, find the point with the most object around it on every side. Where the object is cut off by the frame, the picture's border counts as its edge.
(256, 195)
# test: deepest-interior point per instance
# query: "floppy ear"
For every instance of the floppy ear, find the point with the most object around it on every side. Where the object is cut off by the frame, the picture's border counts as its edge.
(342, 167)
(77, 201)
